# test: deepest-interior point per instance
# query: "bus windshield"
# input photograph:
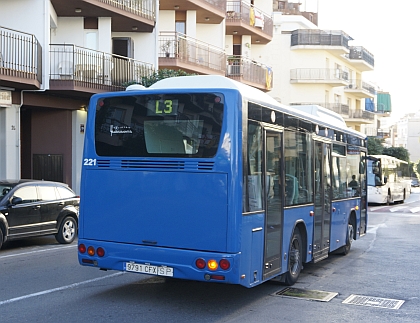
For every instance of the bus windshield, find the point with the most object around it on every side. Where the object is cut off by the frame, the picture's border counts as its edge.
(164, 125)
(374, 173)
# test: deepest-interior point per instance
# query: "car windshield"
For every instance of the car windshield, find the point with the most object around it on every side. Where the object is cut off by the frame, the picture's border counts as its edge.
(4, 189)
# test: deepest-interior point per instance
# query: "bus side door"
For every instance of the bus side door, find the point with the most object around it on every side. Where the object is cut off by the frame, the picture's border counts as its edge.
(274, 190)
(322, 192)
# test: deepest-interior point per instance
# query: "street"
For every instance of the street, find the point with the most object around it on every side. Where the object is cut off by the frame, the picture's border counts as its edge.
(41, 281)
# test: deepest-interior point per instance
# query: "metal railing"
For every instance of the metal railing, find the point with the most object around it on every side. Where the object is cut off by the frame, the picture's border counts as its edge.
(359, 52)
(20, 55)
(245, 69)
(342, 109)
(361, 114)
(321, 74)
(320, 37)
(71, 62)
(142, 8)
(360, 85)
(173, 45)
(249, 14)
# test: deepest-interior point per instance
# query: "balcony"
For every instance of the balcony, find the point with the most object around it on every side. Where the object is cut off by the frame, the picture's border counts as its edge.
(250, 72)
(349, 115)
(360, 89)
(293, 8)
(127, 15)
(207, 11)
(245, 19)
(20, 60)
(74, 68)
(180, 52)
(335, 42)
(331, 77)
(361, 59)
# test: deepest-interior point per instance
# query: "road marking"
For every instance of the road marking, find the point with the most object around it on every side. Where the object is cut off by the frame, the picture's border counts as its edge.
(397, 208)
(37, 251)
(415, 209)
(49, 291)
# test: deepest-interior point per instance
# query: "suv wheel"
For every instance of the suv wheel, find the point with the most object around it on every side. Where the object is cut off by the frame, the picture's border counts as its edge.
(68, 230)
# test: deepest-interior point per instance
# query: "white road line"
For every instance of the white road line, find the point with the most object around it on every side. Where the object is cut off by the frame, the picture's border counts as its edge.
(48, 291)
(415, 209)
(397, 208)
(37, 251)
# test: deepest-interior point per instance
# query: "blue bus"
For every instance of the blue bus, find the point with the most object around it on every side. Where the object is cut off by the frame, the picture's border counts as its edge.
(205, 178)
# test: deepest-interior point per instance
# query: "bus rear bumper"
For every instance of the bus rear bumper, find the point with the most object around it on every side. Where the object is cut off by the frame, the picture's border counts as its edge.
(160, 261)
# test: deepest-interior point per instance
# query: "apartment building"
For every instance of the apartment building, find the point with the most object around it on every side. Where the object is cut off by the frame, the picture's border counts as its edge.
(54, 54)
(408, 135)
(314, 66)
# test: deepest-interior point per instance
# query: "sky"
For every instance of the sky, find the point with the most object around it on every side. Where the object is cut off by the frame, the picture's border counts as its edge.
(387, 29)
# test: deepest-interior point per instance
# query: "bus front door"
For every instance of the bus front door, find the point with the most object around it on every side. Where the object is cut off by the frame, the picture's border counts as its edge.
(322, 216)
(273, 203)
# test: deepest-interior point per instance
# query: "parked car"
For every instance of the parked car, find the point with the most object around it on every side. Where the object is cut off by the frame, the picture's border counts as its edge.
(414, 182)
(30, 208)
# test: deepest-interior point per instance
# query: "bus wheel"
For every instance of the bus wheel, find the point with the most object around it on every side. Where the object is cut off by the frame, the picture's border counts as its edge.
(295, 259)
(1, 237)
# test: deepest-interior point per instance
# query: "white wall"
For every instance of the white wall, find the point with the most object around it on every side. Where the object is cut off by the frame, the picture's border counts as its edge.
(9, 142)
(78, 120)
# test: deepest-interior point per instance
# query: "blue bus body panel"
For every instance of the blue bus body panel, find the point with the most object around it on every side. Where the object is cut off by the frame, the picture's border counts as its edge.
(186, 210)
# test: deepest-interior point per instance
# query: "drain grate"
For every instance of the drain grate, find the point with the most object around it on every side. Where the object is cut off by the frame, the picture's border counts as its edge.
(315, 295)
(392, 304)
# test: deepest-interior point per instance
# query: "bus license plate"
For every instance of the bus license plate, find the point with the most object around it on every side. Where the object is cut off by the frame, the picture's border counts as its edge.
(148, 269)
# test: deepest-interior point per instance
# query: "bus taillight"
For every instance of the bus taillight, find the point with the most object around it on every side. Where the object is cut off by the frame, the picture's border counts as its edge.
(82, 248)
(224, 264)
(212, 264)
(91, 251)
(100, 252)
(200, 263)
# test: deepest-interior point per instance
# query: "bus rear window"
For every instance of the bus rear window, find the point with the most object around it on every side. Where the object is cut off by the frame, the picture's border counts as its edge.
(164, 125)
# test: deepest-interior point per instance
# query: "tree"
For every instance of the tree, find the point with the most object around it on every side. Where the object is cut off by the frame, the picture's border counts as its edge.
(374, 146)
(397, 152)
(157, 76)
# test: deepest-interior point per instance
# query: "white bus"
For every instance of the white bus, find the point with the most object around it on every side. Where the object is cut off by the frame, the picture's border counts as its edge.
(387, 179)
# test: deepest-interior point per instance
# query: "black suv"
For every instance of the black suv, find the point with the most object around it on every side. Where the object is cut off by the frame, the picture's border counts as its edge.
(31, 208)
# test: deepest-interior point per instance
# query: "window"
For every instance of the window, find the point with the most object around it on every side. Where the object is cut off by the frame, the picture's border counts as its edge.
(298, 168)
(353, 170)
(47, 193)
(339, 172)
(171, 125)
(65, 193)
(253, 197)
(28, 194)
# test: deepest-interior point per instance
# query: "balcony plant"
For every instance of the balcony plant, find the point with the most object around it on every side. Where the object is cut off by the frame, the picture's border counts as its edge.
(166, 46)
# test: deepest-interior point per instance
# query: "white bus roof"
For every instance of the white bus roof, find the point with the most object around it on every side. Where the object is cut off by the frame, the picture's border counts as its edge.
(313, 113)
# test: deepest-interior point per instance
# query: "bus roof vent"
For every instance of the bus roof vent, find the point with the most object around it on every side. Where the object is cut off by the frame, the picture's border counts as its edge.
(135, 87)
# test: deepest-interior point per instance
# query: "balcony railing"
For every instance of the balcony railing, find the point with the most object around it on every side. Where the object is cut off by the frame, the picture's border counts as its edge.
(191, 51)
(20, 55)
(249, 15)
(320, 37)
(94, 69)
(318, 74)
(358, 52)
(360, 85)
(344, 110)
(251, 72)
(142, 8)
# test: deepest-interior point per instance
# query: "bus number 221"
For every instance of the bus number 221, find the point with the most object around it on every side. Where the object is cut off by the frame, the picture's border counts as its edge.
(89, 162)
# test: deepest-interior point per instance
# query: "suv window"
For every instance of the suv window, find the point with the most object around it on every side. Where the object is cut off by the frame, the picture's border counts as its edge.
(27, 194)
(65, 193)
(47, 193)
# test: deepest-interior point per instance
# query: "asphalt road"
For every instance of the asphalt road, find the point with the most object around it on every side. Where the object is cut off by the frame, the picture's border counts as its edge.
(41, 281)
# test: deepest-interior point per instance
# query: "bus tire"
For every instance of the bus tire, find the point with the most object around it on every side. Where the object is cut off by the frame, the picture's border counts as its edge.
(67, 231)
(295, 259)
(349, 240)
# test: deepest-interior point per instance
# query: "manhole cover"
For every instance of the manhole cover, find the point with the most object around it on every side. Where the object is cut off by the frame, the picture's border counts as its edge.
(315, 295)
(393, 304)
